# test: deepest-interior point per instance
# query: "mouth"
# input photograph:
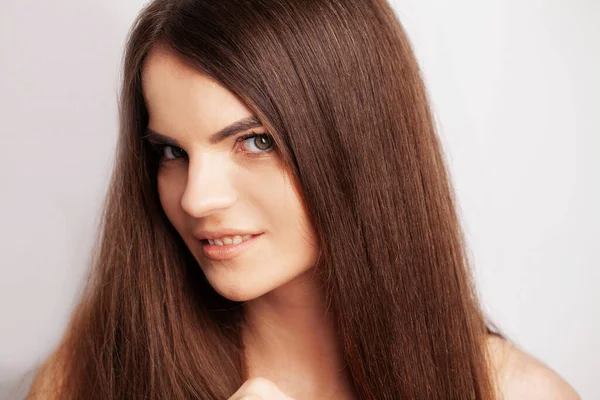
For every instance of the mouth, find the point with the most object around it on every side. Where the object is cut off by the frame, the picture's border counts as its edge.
(218, 252)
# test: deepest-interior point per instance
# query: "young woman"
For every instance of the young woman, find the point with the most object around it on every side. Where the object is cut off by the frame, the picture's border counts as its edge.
(280, 223)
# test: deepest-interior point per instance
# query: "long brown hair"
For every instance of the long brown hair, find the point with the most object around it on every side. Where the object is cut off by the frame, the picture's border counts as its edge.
(337, 84)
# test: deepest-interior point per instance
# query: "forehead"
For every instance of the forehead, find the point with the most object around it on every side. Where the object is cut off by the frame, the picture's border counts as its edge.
(180, 97)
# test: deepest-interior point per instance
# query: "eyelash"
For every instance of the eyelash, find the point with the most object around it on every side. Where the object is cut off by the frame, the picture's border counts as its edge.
(159, 147)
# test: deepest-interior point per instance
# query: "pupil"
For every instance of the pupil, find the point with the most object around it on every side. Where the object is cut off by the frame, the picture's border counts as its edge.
(262, 142)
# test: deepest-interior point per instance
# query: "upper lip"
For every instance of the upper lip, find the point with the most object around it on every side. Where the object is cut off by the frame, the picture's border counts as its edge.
(219, 233)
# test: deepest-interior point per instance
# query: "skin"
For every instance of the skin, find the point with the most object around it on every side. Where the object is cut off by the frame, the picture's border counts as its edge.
(291, 345)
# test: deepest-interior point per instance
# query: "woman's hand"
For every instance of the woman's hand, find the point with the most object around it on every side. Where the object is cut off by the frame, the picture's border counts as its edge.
(259, 389)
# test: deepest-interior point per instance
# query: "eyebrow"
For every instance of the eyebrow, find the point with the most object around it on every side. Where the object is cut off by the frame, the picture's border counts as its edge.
(230, 130)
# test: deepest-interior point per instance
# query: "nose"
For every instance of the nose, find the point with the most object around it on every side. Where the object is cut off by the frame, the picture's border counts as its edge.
(209, 187)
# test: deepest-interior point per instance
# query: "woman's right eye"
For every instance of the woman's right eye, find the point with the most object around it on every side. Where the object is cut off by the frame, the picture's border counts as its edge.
(167, 152)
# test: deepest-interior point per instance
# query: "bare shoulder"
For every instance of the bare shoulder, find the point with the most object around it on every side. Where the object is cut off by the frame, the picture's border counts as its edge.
(47, 380)
(518, 375)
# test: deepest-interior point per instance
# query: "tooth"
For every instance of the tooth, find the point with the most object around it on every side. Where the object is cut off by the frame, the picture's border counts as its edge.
(211, 241)
(227, 240)
(218, 242)
(237, 239)
(246, 237)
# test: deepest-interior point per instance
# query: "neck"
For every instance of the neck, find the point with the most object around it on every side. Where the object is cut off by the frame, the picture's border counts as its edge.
(290, 339)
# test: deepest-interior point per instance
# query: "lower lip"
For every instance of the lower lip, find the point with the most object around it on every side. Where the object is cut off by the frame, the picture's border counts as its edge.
(227, 251)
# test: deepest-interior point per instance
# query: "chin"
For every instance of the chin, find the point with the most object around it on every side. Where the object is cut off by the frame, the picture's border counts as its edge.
(239, 291)
(240, 294)
(238, 284)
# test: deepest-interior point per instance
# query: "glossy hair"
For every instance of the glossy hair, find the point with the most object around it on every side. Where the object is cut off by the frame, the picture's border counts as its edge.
(338, 86)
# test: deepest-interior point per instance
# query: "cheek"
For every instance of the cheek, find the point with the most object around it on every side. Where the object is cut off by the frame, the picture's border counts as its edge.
(169, 194)
(292, 232)
(274, 195)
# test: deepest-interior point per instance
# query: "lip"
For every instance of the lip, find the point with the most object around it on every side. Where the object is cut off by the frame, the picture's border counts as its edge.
(227, 251)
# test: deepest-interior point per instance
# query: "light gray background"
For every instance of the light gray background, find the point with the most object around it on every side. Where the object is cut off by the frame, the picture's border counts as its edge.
(516, 93)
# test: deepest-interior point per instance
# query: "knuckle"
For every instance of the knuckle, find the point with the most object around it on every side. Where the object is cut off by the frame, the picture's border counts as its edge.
(260, 384)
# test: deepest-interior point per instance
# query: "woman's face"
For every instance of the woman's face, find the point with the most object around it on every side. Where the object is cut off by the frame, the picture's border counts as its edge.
(211, 185)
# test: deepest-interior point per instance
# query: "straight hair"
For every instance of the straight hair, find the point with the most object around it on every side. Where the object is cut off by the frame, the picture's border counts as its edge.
(337, 84)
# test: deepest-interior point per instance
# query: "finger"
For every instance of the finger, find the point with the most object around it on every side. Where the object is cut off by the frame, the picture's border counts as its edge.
(261, 389)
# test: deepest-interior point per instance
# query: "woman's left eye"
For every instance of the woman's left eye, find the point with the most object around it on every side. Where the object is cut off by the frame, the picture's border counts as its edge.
(257, 142)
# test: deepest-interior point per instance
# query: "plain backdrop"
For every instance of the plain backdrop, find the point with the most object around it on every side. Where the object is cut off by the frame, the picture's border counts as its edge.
(515, 88)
